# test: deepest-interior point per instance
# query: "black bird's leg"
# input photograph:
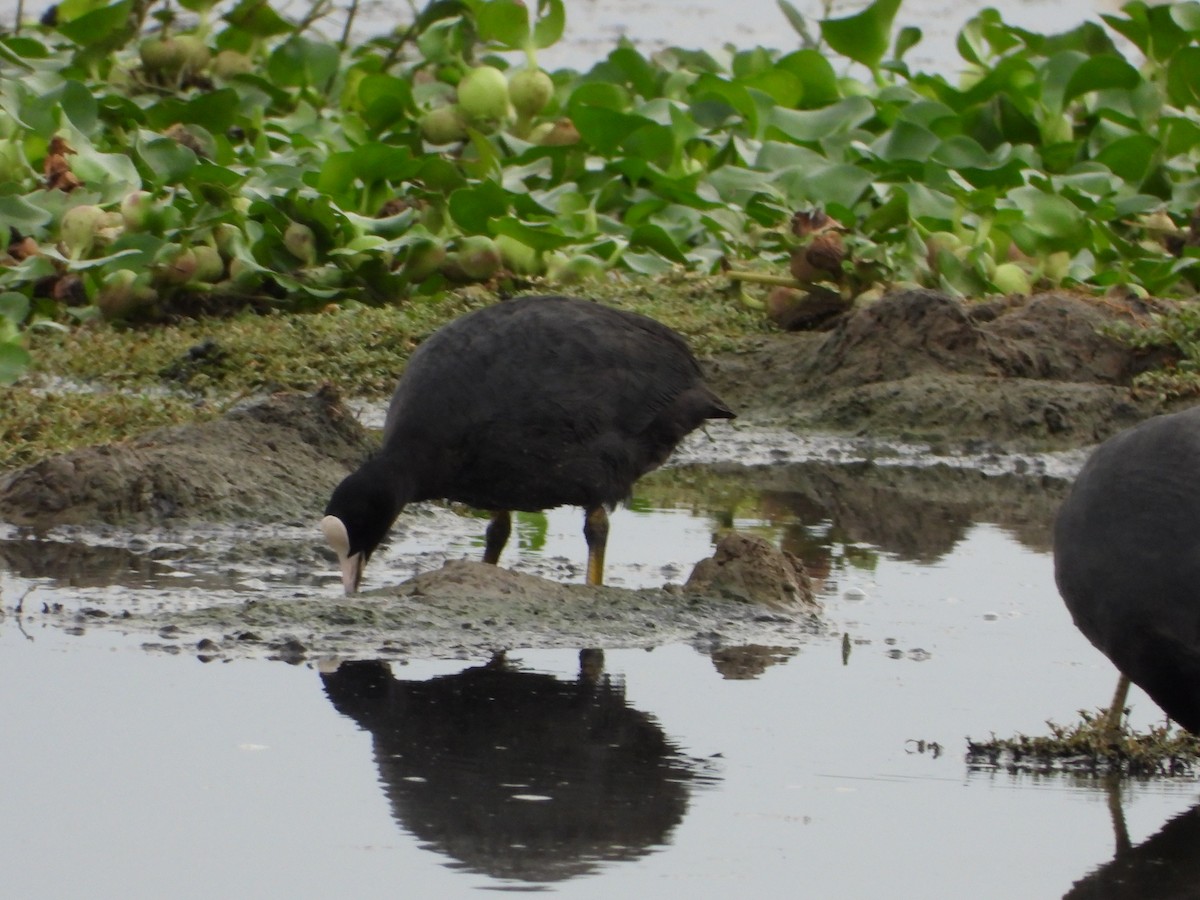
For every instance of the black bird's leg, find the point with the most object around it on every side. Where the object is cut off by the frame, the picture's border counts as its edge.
(498, 531)
(595, 532)
(1116, 709)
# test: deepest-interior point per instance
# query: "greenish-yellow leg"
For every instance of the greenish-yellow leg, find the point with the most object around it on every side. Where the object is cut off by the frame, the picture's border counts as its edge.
(1116, 709)
(595, 532)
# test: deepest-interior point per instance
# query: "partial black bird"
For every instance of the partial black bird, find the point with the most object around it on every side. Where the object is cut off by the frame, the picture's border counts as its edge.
(526, 405)
(1127, 560)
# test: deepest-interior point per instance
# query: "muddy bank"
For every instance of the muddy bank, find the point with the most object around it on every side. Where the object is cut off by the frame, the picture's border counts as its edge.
(1021, 374)
(465, 608)
(1010, 376)
(269, 459)
(987, 384)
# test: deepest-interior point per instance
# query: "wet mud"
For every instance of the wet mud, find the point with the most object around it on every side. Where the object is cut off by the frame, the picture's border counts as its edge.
(915, 398)
(1035, 373)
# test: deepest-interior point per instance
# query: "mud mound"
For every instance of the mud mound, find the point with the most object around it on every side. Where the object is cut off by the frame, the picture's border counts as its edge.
(473, 608)
(275, 460)
(747, 567)
(902, 335)
(1026, 373)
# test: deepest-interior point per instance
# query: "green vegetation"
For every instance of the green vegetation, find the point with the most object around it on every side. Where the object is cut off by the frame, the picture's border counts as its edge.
(365, 346)
(155, 164)
(37, 424)
(1087, 747)
(196, 368)
(159, 166)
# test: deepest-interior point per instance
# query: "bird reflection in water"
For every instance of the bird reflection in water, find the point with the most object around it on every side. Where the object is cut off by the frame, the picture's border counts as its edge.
(1164, 866)
(516, 774)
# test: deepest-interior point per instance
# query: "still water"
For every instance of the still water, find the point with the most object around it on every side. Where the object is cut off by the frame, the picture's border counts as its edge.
(593, 27)
(833, 767)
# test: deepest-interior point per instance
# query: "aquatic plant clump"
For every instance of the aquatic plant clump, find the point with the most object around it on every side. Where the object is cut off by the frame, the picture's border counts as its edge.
(1088, 747)
(304, 171)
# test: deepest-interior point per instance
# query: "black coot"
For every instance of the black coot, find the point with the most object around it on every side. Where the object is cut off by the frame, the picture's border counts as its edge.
(525, 405)
(1127, 559)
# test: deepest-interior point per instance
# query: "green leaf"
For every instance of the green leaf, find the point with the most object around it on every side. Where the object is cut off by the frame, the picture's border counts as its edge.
(539, 236)
(808, 126)
(549, 24)
(472, 208)
(715, 100)
(383, 162)
(933, 208)
(1186, 16)
(652, 142)
(215, 110)
(970, 42)
(79, 106)
(19, 213)
(863, 37)
(605, 129)
(836, 185)
(385, 99)
(908, 38)
(1183, 77)
(80, 265)
(207, 173)
(170, 161)
(1182, 135)
(16, 50)
(906, 141)
(438, 174)
(14, 360)
(1050, 216)
(1101, 73)
(1130, 158)
(598, 94)
(818, 80)
(1000, 168)
(503, 22)
(300, 62)
(635, 70)
(781, 86)
(656, 238)
(112, 174)
(97, 26)
(69, 10)
(258, 18)
(775, 156)
(1152, 29)
(39, 114)
(14, 307)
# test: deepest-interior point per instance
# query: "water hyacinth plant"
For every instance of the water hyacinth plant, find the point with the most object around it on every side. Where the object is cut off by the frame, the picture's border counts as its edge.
(156, 161)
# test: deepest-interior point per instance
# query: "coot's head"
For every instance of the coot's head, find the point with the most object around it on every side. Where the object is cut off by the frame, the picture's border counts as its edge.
(358, 516)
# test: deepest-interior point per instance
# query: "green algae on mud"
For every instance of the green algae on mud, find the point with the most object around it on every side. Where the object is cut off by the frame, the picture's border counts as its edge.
(101, 382)
(1033, 373)
(360, 348)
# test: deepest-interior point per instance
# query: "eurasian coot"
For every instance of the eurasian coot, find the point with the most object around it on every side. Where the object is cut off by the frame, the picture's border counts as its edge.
(1127, 559)
(528, 404)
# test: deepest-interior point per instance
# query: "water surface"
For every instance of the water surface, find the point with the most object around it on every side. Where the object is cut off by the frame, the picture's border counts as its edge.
(835, 764)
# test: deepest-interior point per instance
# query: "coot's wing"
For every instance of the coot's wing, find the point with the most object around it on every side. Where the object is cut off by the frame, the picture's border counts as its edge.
(1127, 558)
(547, 401)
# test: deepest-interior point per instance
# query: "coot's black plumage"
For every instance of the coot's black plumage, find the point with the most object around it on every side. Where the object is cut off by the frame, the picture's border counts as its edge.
(525, 405)
(1127, 559)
